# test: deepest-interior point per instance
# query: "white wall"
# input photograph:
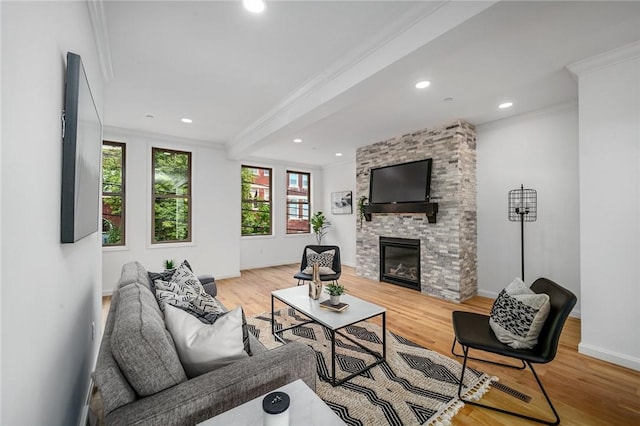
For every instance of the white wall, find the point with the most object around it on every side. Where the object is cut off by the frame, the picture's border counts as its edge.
(279, 248)
(50, 292)
(540, 151)
(609, 89)
(215, 217)
(341, 177)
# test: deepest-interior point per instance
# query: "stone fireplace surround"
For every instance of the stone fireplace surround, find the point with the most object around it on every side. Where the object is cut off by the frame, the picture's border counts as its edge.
(448, 252)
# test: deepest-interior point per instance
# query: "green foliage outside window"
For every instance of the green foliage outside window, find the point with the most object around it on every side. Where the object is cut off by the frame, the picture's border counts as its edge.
(256, 201)
(171, 196)
(113, 190)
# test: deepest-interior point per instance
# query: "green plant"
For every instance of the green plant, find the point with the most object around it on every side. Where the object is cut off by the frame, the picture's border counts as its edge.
(362, 201)
(335, 289)
(320, 225)
(168, 264)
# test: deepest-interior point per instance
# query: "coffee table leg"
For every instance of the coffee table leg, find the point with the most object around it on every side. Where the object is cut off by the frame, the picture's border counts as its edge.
(384, 335)
(273, 323)
(333, 357)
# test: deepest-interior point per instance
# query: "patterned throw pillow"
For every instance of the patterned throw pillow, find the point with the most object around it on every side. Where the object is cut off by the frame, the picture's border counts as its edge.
(518, 315)
(188, 291)
(324, 259)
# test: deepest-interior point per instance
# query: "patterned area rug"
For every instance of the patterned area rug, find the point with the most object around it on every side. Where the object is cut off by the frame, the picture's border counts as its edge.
(415, 386)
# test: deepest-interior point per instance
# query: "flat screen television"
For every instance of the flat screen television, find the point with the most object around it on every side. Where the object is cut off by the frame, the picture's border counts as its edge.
(401, 183)
(81, 156)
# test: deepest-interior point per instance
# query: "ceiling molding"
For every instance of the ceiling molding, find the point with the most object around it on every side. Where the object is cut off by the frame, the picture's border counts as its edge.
(621, 54)
(317, 98)
(101, 37)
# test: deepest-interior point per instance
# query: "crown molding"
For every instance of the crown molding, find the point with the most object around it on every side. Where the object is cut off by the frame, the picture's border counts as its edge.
(101, 37)
(621, 54)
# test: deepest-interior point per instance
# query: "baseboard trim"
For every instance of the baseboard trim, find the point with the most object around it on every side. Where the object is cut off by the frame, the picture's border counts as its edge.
(609, 356)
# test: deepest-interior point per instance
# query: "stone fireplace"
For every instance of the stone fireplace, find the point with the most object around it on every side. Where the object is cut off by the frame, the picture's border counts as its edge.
(447, 265)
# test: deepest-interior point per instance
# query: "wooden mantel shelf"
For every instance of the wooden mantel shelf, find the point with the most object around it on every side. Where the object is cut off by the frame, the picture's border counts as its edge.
(430, 209)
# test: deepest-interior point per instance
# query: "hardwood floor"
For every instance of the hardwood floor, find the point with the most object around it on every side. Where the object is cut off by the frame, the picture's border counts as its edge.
(585, 391)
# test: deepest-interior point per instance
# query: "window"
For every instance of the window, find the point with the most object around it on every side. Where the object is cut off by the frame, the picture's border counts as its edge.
(298, 202)
(171, 196)
(256, 200)
(113, 190)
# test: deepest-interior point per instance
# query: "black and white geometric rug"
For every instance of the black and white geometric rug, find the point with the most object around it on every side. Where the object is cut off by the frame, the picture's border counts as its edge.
(415, 386)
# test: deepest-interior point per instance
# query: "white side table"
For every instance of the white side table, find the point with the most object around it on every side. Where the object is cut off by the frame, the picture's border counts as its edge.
(306, 408)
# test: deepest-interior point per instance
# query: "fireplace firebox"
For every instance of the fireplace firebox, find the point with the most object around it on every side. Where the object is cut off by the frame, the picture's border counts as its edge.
(400, 261)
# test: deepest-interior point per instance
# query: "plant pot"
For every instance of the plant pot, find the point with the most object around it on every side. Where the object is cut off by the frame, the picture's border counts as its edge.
(334, 300)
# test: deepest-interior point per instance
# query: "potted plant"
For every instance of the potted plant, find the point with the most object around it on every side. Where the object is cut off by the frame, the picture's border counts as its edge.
(335, 290)
(320, 225)
(362, 201)
(168, 264)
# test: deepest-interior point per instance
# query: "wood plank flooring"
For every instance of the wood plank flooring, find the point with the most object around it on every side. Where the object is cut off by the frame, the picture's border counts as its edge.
(585, 391)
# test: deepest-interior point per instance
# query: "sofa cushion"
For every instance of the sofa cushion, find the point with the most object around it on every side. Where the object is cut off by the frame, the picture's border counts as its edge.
(164, 275)
(114, 389)
(518, 315)
(206, 347)
(141, 344)
(133, 272)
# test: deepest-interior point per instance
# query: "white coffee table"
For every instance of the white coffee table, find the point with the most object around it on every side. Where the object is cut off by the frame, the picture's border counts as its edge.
(358, 310)
(305, 408)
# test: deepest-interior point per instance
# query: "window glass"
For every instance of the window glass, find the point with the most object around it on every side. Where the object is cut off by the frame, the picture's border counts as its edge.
(298, 203)
(113, 194)
(171, 210)
(256, 201)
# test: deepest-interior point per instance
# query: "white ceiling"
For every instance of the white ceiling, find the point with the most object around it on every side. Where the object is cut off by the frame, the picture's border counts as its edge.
(340, 74)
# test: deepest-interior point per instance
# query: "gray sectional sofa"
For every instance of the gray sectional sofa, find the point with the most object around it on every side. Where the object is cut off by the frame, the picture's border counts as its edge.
(141, 381)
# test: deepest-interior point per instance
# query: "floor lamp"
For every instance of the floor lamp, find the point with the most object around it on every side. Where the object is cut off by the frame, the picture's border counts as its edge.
(523, 207)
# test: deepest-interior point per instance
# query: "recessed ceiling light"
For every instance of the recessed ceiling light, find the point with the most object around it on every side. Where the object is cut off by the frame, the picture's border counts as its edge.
(423, 84)
(505, 105)
(255, 6)
(186, 120)
(338, 154)
(447, 100)
(149, 116)
(297, 140)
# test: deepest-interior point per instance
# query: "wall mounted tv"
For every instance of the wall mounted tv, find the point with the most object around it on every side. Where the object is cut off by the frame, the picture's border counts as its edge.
(81, 151)
(401, 183)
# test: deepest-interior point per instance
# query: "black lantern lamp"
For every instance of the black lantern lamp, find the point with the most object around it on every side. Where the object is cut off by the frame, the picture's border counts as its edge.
(523, 207)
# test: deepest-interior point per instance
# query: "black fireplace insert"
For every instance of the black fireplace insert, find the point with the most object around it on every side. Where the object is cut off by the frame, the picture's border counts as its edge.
(400, 261)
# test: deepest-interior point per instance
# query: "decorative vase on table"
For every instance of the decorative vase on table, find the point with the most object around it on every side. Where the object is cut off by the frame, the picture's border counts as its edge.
(315, 285)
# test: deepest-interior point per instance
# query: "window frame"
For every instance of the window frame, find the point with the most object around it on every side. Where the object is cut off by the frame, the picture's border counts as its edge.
(267, 173)
(122, 194)
(298, 205)
(188, 197)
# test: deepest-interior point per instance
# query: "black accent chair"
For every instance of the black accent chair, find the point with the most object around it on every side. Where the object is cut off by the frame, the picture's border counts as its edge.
(472, 331)
(336, 267)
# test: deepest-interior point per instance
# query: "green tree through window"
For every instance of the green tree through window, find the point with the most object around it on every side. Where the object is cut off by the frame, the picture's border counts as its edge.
(113, 193)
(171, 196)
(256, 200)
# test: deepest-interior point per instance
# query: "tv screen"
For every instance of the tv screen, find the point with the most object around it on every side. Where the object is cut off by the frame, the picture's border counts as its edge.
(401, 183)
(81, 151)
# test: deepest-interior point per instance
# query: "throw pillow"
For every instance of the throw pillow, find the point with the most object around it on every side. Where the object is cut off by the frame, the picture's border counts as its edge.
(518, 315)
(324, 259)
(164, 275)
(210, 318)
(206, 347)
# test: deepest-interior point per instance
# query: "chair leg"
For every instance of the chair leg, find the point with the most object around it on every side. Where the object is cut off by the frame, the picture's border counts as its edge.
(517, 367)
(511, 413)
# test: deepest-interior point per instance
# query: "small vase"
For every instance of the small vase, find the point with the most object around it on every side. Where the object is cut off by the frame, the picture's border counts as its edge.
(334, 300)
(315, 286)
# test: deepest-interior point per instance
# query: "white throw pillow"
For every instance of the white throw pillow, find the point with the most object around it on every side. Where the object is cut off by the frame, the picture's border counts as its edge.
(518, 315)
(324, 259)
(205, 347)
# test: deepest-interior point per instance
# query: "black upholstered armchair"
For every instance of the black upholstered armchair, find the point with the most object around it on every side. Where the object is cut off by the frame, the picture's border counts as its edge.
(335, 265)
(472, 331)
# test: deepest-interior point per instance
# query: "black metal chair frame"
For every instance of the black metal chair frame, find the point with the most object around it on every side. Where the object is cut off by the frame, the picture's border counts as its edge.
(337, 266)
(562, 302)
